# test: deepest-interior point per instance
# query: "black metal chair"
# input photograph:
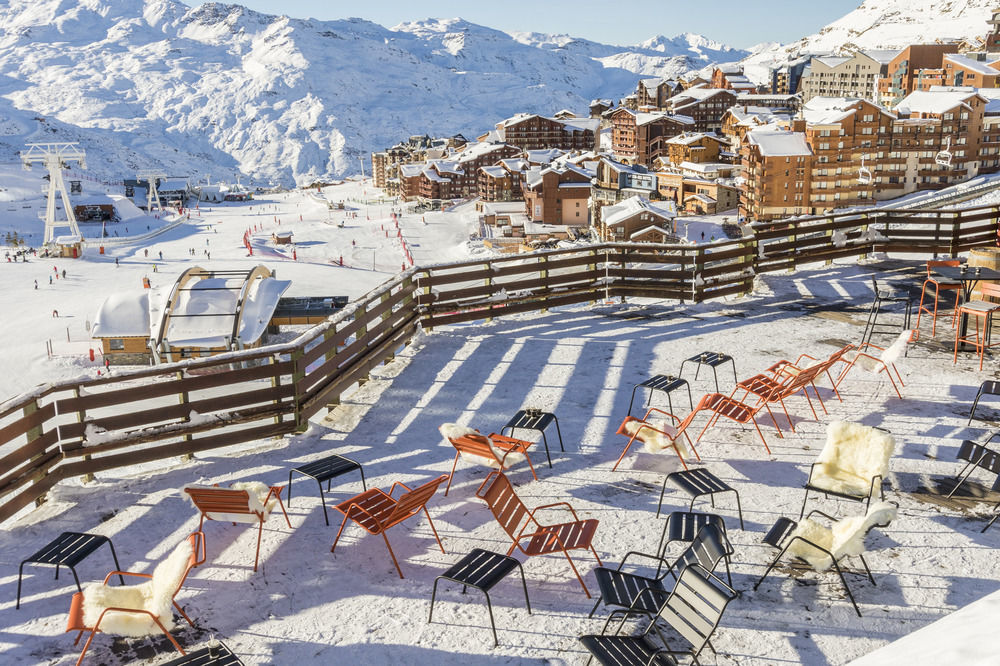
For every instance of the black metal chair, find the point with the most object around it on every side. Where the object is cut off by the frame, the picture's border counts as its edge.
(644, 595)
(989, 387)
(693, 609)
(886, 294)
(977, 455)
(685, 525)
(778, 537)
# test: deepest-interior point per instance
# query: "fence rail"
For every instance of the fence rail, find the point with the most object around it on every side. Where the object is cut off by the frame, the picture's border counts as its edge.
(83, 427)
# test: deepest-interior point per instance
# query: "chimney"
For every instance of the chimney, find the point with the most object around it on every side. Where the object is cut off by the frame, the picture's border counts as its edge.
(799, 125)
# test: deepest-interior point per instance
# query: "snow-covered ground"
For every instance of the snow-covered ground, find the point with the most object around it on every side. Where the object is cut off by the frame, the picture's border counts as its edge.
(306, 605)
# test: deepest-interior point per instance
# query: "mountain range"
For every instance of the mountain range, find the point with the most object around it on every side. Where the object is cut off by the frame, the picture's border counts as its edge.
(220, 89)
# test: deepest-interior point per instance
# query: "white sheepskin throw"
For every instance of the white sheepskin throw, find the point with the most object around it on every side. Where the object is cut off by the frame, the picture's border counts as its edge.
(256, 492)
(156, 595)
(853, 455)
(890, 355)
(454, 431)
(654, 441)
(846, 538)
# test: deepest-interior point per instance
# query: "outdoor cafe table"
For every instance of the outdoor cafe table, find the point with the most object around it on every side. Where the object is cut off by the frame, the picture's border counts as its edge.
(969, 278)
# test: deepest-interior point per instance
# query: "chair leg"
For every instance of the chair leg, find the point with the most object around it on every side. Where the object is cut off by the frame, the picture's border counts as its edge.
(86, 645)
(493, 624)
(596, 556)
(781, 401)
(993, 520)
(739, 510)
(322, 500)
(260, 533)
(974, 405)
(392, 555)
(764, 441)
(452, 475)
(594, 609)
(169, 635)
(578, 576)
(189, 621)
(834, 385)
(804, 500)
(532, 467)
(339, 532)
(622, 456)
(432, 529)
(663, 490)
(867, 570)
(434, 592)
(846, 588)
(769, 568)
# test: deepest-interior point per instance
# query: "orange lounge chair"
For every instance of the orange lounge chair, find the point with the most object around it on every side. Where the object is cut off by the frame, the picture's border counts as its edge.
(734, 410)
(658, 431)
(137, 610)
(492, 449)
(241, 503)
(377, 511)
(884, 362)
(770, 389)
(785, 368)
(529, 536)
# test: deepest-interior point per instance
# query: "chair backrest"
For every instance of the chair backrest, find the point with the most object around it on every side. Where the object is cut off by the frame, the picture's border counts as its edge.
(858, 449)
(934, 263)
(221, 503)
(506, 506)
(475, 445)
(695, 606)
(707, 549)
(170, 574)
(413, 501)
(990, 291)
(980, 456)
(892, 353)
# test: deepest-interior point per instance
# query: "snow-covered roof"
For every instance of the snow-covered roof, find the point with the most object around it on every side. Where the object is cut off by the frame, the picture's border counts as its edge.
(883, 56)
(779, 143)
(687, 138)
(646, 118)
(71, 239)
(832, 110)
(477, 150)
(633, 206)
(646, 230)
(972, 65)
(411, 170)
(704, 198)
(831, 61)
(214, 301)
(494, 171)
(925, 101)
(172, 185)
(697, 94)
(123, 315)
(581, 124)
(543, 156)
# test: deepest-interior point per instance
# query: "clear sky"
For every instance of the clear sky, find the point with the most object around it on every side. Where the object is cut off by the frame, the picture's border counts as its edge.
(738, 23)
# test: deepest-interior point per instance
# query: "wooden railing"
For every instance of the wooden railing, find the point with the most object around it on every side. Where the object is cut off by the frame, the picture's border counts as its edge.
(83, 427)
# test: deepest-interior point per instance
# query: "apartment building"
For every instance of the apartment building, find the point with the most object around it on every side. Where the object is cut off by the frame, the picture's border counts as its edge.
(738, 120)
(615, 181)
(695, 194)
(696, 147)
(705, 106)
(903, 73)
(638, 220)
(785, 78)
(534, 132)
(731, 77)
(777, 167)
(416, 149)
(637, 138)
(846, 136)
(846, 76)
(652, 94)
(558, 194)
(961, 70)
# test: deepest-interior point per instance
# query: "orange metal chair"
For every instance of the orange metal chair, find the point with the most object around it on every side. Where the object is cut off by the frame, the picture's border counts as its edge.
(734, 410)
(938, 285)
(785, 368)
(531, 537)
(884, 362)
(493, 449)
(671, 433)
(983, 311)
(237, 506)
(775, 388)
(377, 511)
(148, 619)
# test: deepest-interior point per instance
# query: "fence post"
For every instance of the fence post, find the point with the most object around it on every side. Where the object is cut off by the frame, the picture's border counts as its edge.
(489, 283)
(543, 275)
(593, 266)
(298, 374)
(32, 435)
(362, 332)
(182, 399)
(955, 225)
(795, 239)
(696, 274)
(429, 299)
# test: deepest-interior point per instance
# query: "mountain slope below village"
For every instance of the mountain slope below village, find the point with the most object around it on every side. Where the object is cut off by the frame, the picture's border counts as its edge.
(221, 88)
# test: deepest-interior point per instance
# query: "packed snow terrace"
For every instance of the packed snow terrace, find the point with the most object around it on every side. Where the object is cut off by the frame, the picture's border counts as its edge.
(581, 363)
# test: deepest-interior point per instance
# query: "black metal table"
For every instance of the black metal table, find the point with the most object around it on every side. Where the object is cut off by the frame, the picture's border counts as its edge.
(325, 469)
(697, 482)
(969, 277)
(482, 570)
(215, 655)
(712, 360)
(665, 383)
(68, 549)
(538, 422)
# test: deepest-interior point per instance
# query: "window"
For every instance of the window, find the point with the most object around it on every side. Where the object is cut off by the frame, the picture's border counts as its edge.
(116, 344)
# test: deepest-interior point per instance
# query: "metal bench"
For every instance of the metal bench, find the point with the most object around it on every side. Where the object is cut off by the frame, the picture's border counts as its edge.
(326, 469)
(68, 549)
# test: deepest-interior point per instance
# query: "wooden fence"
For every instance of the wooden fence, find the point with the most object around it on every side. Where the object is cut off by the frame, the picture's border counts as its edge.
(78, 428)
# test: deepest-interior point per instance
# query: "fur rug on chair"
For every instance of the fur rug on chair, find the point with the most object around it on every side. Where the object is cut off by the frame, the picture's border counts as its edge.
(845, 538)
(653, 441)
(156, 595)
(853, 455)
(256, 492)
(455, 431)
